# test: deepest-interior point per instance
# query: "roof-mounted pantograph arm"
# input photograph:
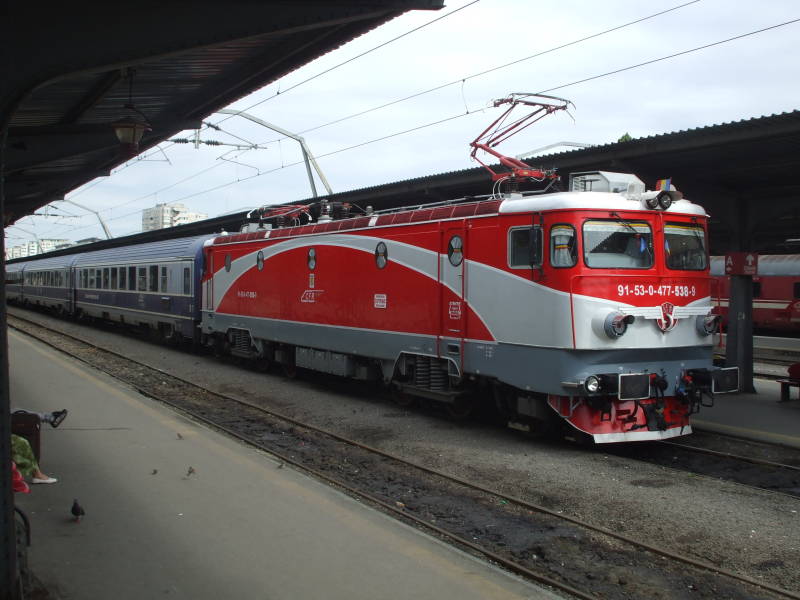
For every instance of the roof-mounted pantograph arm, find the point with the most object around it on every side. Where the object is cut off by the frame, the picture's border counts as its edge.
(499, 132)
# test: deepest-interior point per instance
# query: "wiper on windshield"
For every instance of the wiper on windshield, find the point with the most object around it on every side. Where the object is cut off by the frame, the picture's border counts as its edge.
(627, 224)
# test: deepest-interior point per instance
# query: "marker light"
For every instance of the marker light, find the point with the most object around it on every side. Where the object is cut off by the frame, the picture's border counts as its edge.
(592, 384)
(706, 325)
(616, 324)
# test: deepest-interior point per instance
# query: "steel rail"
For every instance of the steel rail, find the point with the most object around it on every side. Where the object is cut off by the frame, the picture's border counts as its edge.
(748, 459)
(477, 487)
(285, 458)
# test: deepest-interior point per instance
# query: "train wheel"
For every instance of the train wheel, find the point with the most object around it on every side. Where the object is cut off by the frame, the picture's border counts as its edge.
(461, 407)
(262, 365)
(400, 398)
(289, 370)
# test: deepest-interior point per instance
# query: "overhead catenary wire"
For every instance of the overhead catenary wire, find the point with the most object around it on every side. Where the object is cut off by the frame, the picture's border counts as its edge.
(460, 115)
(215, 125)
(430, 90)
(498, 67)
(357, 56)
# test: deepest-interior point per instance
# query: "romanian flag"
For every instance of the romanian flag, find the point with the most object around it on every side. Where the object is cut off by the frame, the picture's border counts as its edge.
(664, 184)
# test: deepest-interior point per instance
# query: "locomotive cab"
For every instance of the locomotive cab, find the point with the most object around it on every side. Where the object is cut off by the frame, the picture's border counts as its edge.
(630, 346)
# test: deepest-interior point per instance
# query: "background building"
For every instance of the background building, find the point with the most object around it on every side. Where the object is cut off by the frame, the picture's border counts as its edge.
(35, 247)
(162, 216)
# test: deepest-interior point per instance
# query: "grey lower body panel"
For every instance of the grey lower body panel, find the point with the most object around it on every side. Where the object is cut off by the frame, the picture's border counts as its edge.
(526, 367)
(347, 340)
(545, 369)
(135, 309)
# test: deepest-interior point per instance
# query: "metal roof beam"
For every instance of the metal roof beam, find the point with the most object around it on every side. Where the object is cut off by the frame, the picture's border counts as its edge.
(92, 97)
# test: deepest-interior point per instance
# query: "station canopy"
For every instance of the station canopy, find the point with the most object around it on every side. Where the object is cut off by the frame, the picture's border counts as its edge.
(73, 71)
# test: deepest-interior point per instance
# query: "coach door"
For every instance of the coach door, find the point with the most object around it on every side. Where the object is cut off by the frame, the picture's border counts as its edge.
(452, 261)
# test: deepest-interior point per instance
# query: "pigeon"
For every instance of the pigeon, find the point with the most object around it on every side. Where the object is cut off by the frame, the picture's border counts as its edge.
(190, 471)
(77, 511)
(180, 437)
(154, 472)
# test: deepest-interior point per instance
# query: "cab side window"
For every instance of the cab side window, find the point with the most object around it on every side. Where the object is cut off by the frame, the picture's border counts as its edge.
(524, 247)
(563, 246)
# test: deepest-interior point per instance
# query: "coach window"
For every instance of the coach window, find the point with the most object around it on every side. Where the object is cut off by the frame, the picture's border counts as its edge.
(122, 283)
(113, 278)
(187, 281)
(153, 278)
(617, 244)
(163, 279)
(525, 247)
(91, 279)
(132, 278)
(141, 283)
(227, 263)
(563, 248)
(105, 278)
(260, 260)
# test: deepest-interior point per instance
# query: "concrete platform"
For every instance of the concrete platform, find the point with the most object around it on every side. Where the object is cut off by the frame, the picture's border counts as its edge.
(237, 527)
(756, 416)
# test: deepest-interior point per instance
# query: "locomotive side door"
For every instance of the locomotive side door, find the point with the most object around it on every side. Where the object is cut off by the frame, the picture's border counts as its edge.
(207, 281)
(452, 286)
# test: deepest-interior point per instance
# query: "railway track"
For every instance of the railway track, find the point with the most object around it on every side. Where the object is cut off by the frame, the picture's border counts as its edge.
(738, 467)
(555, 549)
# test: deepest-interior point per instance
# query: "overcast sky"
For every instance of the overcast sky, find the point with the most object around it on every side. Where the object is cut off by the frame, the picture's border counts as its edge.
(749, 77)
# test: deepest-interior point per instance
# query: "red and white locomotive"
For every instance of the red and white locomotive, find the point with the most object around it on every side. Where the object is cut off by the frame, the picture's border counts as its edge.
(591, 306)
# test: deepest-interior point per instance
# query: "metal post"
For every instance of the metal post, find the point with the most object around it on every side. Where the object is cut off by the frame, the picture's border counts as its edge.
(308, 172)
(739, 344)
(739, 351)
(8, 547)
(308, 157)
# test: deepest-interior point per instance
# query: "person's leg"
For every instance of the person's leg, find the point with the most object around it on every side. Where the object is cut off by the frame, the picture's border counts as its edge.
(22, 455)
(57, 416)
(54, 418)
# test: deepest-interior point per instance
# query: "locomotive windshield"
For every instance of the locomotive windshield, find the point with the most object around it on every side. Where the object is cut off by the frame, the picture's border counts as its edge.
(617, 244)
(685, 246)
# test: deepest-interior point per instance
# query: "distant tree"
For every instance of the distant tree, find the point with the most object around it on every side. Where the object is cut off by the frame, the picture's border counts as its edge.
(625, 138)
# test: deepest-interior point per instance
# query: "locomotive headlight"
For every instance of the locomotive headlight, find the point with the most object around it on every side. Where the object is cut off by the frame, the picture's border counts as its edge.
(706, 325)
(664, 200)
(616, 324)
(592, 384)
(650, 200)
